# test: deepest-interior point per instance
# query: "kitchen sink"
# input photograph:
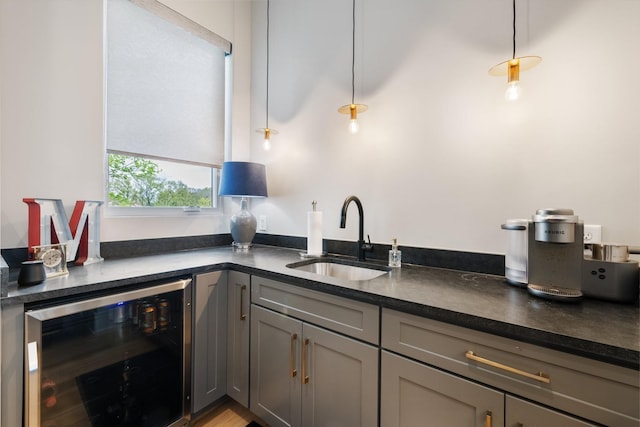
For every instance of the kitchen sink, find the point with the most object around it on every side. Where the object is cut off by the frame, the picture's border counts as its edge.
(341, 269)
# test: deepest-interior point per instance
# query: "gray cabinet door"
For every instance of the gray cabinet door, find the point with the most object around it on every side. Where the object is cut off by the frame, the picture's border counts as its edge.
(413, 394)
(521, 413)
(238, 316)
(339, 377)
(303, 375)
(209, 368)
(275, 367)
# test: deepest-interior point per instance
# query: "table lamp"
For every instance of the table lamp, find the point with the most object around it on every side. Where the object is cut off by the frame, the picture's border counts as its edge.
(243, 179)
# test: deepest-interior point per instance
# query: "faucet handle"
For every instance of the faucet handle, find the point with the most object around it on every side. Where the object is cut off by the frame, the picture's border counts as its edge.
(367, 246)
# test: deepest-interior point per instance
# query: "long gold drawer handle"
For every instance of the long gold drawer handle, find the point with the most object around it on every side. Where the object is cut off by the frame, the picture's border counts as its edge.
(292, 356)
(488, 419)
(305, 377)
(243, 288)
(540, 376)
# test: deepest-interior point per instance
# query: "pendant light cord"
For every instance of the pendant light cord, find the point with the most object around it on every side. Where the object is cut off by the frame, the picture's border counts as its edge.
(514, 30)
(353, 51)
(267, 106)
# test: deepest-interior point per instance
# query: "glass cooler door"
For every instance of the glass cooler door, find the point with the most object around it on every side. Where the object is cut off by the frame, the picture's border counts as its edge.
(117, 360)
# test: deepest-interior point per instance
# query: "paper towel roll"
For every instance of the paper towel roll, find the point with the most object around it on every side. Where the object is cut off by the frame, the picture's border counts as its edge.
(314, 233)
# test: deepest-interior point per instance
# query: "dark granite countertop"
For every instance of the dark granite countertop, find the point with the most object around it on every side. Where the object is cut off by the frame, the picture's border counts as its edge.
(598, 330)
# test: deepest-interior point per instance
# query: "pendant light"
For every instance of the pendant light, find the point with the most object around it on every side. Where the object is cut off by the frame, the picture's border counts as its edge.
(353, 109)
(512, 67)
(267, 131)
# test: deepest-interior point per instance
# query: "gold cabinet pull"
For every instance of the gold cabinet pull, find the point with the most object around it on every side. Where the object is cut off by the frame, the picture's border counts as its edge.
(292, 356)
(540, 376)
(487, 420)
(243, 288)
(305, 377)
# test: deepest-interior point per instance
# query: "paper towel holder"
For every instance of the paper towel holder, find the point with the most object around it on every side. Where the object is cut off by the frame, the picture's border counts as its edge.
(314, 219)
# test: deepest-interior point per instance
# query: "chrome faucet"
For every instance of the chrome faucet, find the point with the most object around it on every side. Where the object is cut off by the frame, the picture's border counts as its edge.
(362, 246)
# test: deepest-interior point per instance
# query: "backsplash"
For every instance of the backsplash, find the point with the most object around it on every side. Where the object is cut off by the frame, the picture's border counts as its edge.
(455, 260)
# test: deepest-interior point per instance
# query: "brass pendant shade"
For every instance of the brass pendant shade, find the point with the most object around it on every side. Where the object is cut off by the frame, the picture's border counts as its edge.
(508, 67)
(512, 67)
(353, 109)
(266, 131)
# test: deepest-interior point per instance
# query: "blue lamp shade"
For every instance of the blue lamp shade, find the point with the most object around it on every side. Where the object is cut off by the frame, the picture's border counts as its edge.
(243, 179)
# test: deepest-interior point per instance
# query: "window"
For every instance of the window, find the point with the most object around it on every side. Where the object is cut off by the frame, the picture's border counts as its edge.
(165, 109)
(136, 181)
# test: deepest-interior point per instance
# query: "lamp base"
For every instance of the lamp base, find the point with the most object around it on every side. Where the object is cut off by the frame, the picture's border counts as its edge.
(243, 227)
(241, 246)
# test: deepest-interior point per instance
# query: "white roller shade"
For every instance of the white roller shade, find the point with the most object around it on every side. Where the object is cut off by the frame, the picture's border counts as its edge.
(165, 88)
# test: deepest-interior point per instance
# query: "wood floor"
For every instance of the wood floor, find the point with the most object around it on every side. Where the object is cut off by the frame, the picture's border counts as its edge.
(228, 414)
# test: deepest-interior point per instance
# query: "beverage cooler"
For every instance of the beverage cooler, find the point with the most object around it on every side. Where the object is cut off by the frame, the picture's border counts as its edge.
(116, 360)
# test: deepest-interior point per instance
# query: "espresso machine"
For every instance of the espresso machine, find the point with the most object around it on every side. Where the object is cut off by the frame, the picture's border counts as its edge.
(546, 254)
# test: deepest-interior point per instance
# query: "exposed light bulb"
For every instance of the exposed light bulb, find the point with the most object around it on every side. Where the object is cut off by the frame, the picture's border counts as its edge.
(267, 139)
(513, 66)
(353, 110)
(354, 127)
(514, 91)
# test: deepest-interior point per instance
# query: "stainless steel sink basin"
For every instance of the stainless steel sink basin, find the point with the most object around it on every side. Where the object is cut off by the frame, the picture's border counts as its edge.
(341, 269)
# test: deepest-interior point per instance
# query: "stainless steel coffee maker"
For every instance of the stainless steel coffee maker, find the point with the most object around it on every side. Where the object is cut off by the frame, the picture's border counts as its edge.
(553, 240)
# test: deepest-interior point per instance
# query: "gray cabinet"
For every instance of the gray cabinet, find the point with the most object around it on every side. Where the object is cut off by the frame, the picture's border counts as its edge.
(339, 380)
(209, 368)
(306, 375)
(593, 390)
(521, 413)
(416, 395)
(11, 388)
(275, 367)
(238, 306)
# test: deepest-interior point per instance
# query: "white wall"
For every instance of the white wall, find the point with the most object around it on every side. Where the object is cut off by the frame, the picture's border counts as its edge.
(51, 109)
(442, 159)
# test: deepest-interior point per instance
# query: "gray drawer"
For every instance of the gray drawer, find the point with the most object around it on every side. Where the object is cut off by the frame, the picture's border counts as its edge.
(354, 318)
(598, 391)
(522, 413)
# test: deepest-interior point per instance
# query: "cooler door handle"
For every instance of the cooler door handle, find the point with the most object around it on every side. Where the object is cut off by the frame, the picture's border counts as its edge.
(33, 384)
